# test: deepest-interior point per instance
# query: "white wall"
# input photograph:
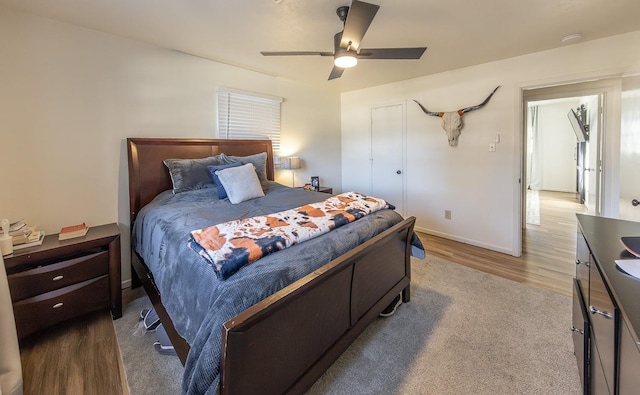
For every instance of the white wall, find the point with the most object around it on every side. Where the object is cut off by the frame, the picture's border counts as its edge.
(69, 97)
(558, 146)
(481, 188)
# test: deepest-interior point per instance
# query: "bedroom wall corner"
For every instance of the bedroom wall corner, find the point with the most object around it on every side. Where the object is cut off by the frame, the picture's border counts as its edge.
(71, 96)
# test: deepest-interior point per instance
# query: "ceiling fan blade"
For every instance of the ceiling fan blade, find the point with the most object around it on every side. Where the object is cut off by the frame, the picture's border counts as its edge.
(359, 18)
(392, 53)
(296, 53)
(336, 72)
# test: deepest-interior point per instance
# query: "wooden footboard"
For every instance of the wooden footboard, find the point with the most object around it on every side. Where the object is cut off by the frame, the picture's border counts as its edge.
(286, 342)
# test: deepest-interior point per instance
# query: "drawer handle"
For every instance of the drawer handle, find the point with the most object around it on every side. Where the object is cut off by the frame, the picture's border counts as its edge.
(58, 278)
(579, 262)
(593, 310)
(58, 305)
(574, 329)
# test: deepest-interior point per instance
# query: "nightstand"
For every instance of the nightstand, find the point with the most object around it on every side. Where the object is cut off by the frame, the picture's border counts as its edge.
(60, 280)
(321, 189)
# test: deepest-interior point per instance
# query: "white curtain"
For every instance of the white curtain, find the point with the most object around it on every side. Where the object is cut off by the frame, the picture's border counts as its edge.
(534, 154)
(10, 368)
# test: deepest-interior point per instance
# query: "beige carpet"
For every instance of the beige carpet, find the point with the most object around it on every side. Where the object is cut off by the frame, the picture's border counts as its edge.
(147, 371)
(464, 332)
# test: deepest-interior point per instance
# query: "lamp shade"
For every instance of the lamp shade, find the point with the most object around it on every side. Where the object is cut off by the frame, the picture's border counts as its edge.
(291, 163)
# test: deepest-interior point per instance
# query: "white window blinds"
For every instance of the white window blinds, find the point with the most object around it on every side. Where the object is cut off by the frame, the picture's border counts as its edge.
(246, 115)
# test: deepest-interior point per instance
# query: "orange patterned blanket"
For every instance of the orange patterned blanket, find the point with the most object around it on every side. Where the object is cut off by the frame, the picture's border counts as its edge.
(229, 246)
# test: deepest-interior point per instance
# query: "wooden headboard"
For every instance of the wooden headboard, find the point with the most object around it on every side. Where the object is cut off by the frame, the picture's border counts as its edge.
(148, 176)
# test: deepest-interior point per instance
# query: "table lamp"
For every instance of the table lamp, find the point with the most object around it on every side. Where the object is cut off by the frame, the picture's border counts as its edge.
(291, 163)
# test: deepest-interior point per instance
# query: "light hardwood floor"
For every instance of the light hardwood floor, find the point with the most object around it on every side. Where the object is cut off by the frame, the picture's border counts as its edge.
(548, 258)
(82, 356)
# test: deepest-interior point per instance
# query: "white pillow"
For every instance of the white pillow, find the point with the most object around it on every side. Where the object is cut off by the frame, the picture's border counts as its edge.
(241, 183)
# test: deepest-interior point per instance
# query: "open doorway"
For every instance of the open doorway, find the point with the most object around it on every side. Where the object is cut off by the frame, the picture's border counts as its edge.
(600, 169)
(562, 153)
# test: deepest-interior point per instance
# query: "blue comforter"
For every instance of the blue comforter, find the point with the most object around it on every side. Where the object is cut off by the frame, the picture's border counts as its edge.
(195, 299)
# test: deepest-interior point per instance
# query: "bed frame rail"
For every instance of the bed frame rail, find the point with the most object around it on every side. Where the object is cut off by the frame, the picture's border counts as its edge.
(144, 277)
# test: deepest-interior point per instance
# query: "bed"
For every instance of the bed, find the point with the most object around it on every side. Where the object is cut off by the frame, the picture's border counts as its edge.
(296, 311)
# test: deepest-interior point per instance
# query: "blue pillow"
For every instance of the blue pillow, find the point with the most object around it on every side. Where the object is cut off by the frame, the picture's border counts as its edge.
(222, 193)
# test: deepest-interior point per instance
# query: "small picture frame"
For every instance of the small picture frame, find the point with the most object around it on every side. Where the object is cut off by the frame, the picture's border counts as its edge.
(315, 183)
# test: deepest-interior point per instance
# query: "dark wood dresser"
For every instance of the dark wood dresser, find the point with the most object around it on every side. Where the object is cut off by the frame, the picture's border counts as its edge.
(606, 308)
(60, 280)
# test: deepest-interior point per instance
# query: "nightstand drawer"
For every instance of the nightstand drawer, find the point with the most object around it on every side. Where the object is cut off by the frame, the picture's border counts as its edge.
(56, 306)
(58, 275)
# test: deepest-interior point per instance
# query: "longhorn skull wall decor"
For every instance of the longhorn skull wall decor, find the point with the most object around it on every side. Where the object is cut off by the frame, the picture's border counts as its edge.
(452, 120)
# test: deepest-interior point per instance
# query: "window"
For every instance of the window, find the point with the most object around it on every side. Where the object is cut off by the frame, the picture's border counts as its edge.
(246, 115)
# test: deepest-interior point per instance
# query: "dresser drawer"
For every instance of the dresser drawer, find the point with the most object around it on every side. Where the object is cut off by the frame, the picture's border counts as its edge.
(604, 318)
(599, 385)
(629, 361)
(62, 304)
(583, 261)
(58, 275)
(580, 333)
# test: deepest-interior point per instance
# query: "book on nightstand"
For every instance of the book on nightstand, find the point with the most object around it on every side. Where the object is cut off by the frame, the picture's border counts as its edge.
(22, 233)
(26, 233)
(35, 239)
(69, 232)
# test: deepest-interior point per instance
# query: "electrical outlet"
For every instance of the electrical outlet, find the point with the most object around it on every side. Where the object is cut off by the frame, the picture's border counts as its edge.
(447, 214)
(492, 147)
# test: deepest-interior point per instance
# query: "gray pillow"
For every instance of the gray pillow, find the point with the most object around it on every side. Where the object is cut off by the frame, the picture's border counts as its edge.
(241, 183)
(190, 174)
(260, 163)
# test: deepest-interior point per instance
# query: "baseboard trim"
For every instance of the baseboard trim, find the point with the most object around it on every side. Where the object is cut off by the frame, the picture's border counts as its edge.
(466, 241)
(125, 284)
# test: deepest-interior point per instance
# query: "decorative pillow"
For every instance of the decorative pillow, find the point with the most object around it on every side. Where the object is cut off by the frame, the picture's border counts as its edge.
(222, 194)
(260, 163)
(241, 183)
(190, 174)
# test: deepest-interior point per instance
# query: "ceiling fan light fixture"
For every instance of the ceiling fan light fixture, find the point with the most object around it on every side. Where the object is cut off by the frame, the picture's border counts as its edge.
(345, 61)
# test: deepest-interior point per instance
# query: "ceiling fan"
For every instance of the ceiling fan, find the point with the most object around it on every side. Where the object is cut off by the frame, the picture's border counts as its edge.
(347, 51)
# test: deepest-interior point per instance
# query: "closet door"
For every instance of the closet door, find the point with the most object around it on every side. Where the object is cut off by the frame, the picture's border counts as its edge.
(387, 155)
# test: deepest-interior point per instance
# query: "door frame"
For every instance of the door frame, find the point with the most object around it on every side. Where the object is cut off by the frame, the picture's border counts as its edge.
(611, 89)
